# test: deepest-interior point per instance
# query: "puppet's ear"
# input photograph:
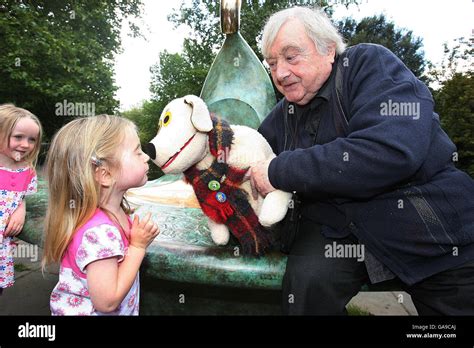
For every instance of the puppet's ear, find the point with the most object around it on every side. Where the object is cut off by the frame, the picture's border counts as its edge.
(200, 117)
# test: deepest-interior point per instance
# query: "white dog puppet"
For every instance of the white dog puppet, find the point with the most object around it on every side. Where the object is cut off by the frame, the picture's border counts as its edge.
(214, 158)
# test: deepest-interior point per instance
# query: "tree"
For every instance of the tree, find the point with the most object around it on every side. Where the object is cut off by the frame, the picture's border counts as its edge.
(454, 103)
(172, 68)
(458, 57)
(377, 29)
(61, 51)
(455, 106)
(144, 118)
(190, 68)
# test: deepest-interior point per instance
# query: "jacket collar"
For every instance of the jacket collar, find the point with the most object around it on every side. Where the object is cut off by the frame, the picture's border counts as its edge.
(326, 90)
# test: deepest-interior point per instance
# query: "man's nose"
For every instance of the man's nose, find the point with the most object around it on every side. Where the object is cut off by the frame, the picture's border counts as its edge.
(282, 71)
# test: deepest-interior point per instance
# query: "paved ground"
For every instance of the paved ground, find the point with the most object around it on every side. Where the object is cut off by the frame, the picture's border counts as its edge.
(385, 303)
(30, 294)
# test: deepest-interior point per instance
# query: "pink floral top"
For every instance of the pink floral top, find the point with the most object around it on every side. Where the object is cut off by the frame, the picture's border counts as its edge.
(14, 185)
(98, 239)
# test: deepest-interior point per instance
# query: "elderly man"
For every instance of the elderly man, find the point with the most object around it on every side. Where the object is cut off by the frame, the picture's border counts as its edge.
(358, 141)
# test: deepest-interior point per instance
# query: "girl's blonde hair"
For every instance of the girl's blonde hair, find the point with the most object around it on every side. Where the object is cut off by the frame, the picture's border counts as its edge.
(9, 117)
(76, 151)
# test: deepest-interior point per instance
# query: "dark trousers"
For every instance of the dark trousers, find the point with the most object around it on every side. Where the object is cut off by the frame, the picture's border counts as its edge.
(314, 284)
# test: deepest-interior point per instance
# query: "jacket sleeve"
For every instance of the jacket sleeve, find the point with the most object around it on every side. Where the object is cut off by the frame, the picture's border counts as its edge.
(389, 133)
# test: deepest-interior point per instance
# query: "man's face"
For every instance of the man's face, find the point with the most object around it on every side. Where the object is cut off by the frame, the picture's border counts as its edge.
(298, 69)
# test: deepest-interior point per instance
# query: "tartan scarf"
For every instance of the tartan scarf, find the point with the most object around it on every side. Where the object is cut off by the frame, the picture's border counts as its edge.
(234, 211)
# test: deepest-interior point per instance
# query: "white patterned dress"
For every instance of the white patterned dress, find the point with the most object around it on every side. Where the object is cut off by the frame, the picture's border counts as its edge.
(98, 239)
(14, 185)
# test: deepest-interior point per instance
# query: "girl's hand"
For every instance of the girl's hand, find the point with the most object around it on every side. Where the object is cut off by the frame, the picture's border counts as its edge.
(143, 232)
(16, 221)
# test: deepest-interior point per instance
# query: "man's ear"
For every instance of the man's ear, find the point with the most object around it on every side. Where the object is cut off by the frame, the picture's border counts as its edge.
(103, 177)
(200, 117)
(332, 51)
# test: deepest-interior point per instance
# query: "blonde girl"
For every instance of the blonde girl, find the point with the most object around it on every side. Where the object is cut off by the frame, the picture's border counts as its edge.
(20, 140)
(91, 163)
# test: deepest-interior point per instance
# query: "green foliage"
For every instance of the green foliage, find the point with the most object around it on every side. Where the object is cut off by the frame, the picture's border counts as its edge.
(454, 79)
(60, 50)
(146, 119)
(378, 30)
(175, 76)
(457, 57)
(455, 105)
(19, 267)
(354, 310)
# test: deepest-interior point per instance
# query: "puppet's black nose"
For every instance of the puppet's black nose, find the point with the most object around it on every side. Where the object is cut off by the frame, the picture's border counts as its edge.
(150, 150)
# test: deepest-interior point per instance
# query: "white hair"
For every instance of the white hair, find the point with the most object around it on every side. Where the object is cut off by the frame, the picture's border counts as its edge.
(317, 25)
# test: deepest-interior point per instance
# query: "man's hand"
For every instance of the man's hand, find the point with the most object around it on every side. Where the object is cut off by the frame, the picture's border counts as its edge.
(16, 221)
(259, 181)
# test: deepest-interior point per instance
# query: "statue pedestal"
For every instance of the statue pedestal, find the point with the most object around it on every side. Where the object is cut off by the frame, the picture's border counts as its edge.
(184, 272)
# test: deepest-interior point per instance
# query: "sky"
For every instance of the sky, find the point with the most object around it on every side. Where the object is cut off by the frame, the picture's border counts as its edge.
(435, 21)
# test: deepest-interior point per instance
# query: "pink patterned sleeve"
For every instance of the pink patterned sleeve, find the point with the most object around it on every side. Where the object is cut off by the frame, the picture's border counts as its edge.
(100, 242)
(33, 184)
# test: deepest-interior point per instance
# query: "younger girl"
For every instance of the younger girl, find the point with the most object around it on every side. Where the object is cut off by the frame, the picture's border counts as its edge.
(20, 140)
(91, 163)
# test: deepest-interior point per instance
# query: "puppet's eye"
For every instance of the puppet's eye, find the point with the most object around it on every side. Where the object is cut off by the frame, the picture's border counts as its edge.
(167, 119)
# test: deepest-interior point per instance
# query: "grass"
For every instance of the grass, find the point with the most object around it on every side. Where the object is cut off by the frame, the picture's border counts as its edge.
(19, 267)
(354, 310)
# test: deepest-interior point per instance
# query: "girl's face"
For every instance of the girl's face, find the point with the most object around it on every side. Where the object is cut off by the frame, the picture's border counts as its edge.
(22, 140)
(133, 163)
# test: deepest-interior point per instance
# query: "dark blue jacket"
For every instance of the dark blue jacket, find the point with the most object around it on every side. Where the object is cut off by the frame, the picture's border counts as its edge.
(391, 181)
